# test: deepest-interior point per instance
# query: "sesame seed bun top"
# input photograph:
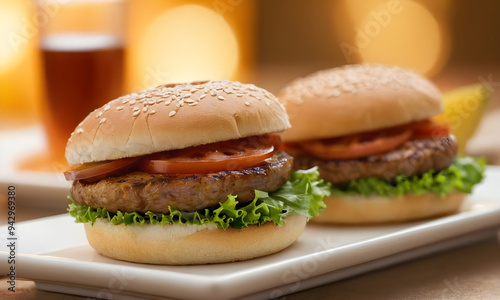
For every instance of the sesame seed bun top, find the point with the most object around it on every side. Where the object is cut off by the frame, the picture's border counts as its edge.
(356, 98)
(175, 116)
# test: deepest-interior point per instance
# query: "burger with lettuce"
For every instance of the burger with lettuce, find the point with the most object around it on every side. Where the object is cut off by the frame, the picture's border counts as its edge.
(189, 174)
(370, 131)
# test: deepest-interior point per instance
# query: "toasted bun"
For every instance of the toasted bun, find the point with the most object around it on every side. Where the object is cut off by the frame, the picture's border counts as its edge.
(175, 116)
(376, 209)
(191, 244)
(356, 98)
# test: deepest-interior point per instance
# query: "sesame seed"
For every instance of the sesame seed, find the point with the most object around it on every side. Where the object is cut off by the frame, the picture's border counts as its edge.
(336, 93)
(102, 120)
(124, 101)
(99, 114)
(346, 88)
(188, 94)
(107, 107)
(79, 130)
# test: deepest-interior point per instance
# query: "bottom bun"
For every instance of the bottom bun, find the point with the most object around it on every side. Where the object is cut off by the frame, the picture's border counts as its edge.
(191, 244)
(375, 209)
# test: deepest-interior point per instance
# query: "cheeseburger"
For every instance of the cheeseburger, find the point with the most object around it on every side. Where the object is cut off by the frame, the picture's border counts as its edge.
(189, 174)
(370, 131)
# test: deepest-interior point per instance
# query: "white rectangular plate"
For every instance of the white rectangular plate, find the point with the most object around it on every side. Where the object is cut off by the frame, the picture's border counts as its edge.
(54, 253)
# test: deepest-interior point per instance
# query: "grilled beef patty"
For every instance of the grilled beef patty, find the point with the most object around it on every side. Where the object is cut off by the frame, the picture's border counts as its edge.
(412, 158)
(142, 192)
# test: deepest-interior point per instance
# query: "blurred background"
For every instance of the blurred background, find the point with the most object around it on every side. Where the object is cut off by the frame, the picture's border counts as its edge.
(144, 43)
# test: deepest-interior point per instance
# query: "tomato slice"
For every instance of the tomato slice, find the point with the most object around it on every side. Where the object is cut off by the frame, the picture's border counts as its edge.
(97, 170)
(359, 145)
(222, 156)
(430, 129)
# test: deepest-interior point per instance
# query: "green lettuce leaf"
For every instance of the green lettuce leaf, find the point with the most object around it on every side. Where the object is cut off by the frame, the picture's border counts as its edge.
(460, 176)
(302, 194)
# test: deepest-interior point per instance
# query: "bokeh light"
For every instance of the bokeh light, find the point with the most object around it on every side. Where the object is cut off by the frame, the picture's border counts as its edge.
(12, 43)
(400, 33)
(186, 43)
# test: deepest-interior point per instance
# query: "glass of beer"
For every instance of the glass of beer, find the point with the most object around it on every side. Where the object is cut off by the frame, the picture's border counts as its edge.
(82, 49)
